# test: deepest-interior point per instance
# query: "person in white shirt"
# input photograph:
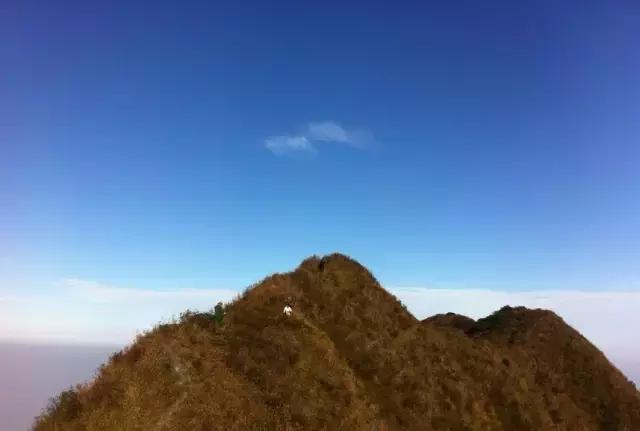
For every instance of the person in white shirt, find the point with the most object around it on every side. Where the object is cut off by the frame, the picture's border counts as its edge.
(287, 310)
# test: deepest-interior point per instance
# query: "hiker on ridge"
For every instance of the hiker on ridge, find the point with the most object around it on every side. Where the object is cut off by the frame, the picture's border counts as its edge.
(287, 310)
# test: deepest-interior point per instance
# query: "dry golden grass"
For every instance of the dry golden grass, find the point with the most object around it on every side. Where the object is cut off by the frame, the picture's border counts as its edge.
(350, 358)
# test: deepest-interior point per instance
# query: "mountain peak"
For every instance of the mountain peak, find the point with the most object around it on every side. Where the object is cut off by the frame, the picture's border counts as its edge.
(333, 261)
(350, 356)
(451, 320)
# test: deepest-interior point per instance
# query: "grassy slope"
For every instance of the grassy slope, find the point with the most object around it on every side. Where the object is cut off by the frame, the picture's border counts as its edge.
(351, 358)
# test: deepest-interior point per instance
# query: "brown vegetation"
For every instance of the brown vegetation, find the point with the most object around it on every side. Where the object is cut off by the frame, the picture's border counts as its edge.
(350, 358)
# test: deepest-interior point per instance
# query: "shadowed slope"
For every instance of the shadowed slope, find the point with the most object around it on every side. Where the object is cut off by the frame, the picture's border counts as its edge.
(566, 365)
(451, 320)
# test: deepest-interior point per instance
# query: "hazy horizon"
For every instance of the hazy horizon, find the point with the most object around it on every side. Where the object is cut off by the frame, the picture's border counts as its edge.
(33, 371)
(30, 374)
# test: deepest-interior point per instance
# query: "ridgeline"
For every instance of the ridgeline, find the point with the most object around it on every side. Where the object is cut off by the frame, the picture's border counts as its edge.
(350, 357)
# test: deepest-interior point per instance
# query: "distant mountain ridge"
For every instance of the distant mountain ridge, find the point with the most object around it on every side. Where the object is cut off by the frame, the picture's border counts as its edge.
(351, 358)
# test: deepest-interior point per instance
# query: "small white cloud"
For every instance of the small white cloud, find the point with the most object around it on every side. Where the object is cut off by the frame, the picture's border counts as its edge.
(318, 132)
(328, 131)
(282, 145)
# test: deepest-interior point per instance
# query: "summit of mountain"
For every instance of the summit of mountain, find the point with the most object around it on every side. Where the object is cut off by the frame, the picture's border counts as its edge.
(350, 357)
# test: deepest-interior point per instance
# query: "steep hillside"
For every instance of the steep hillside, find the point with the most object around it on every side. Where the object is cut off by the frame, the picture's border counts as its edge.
(351, 357)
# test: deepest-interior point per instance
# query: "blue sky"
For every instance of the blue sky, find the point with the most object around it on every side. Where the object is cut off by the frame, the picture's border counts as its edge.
(191, 145)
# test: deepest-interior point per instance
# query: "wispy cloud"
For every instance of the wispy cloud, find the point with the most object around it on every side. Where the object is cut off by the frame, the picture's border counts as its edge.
(282, 145)
(316, 133)
(328, 131)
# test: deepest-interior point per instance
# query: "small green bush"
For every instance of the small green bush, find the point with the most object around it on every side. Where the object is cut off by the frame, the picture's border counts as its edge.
(218, 312)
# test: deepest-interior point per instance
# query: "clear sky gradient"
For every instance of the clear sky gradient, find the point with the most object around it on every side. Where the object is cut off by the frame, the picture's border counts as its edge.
(204, 145)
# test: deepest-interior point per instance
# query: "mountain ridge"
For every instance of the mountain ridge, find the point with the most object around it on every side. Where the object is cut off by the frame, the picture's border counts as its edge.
(351, 357)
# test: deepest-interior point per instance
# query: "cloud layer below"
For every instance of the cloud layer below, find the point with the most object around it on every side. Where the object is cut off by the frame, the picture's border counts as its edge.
(314, 134)
(81, 311)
